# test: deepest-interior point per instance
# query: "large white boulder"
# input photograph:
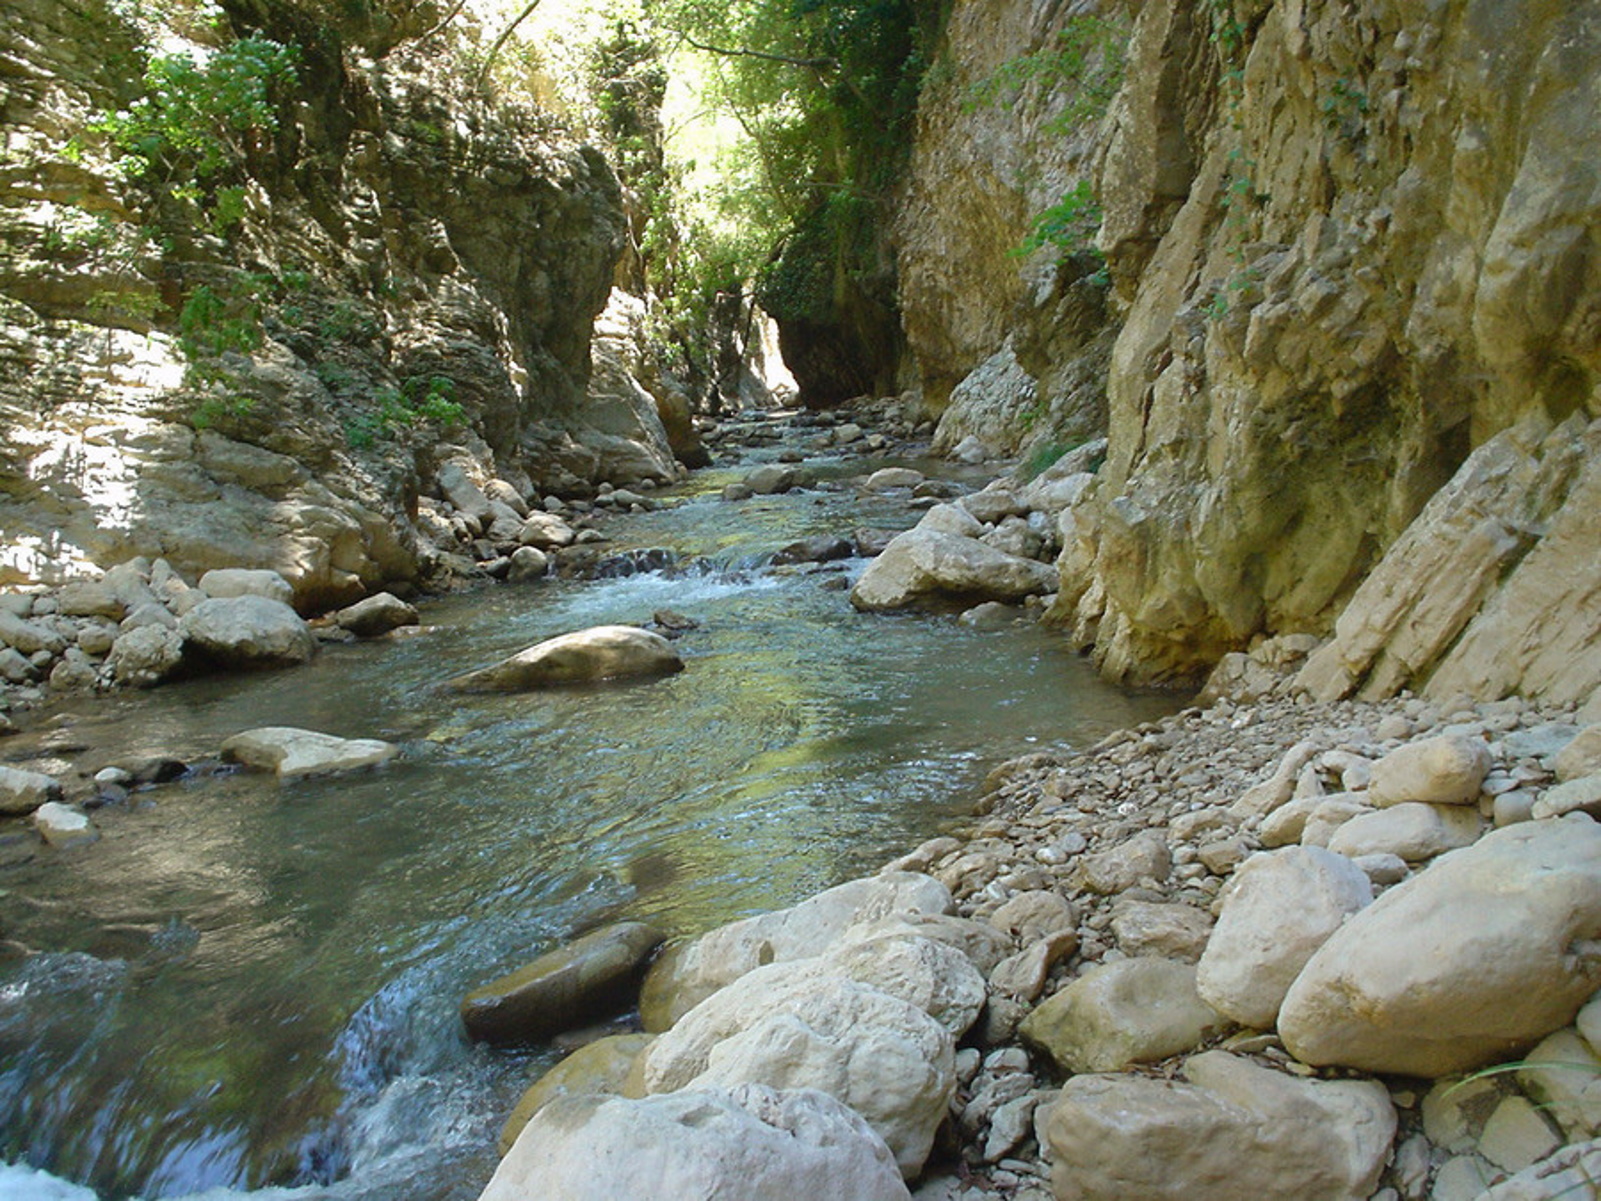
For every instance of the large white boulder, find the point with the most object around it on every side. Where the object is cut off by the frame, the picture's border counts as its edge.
(923, 562)
(746, 1142)
(248, 631)
(1413, 830)
(1486, 950)
(293, 753)
(1233, 1130)
(687, 973)
(582, 657)
(1280, 908)
(790, 1027)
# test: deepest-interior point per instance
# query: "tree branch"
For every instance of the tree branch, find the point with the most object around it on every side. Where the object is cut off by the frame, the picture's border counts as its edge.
(815, 64)
(505, 34)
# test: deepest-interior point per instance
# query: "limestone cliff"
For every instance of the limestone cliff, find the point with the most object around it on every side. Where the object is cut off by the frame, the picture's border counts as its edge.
(398, 245)
(1347, 245)
(1352, 244)
(1009, 347)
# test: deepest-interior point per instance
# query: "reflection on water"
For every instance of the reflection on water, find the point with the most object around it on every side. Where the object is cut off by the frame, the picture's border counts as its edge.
(247, 985)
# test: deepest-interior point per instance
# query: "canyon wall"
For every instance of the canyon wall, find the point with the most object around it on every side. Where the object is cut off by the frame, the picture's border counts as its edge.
(1347, 246)
(407, 275)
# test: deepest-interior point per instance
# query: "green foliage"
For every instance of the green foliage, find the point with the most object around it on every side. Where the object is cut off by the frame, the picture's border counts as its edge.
(1344, 109)
(1087, 57)
(213, 410)
(1042, 457)
(420, 400)
(195, 120)
(1069, 225)
(226, 318)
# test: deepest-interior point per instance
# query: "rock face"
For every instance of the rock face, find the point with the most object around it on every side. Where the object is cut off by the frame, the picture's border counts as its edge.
(293, 753)
(582, 657)
(748, 1141)
(1318, 223)
(582, 983)
(1234, 1130)
(1370, 998)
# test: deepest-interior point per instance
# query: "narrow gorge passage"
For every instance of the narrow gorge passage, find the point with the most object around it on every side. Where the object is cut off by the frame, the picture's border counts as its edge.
(246, 984)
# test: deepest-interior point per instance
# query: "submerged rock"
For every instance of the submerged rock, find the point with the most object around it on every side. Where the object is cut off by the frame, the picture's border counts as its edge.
(292, 752)
(586, 981)
(582, 657)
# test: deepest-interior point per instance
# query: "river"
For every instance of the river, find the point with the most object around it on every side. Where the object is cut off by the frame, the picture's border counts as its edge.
(247, 986)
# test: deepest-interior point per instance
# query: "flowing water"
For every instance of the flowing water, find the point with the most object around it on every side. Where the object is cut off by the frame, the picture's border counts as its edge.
(252, 986)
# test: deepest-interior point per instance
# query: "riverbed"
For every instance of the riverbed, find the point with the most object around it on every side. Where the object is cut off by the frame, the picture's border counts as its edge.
(245, 985)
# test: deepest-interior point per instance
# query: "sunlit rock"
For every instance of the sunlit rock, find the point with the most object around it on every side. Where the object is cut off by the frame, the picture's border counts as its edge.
(292, 753)
(582, 657)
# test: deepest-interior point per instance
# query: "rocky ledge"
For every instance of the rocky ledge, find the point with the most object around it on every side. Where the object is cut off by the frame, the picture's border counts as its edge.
(1290, 947)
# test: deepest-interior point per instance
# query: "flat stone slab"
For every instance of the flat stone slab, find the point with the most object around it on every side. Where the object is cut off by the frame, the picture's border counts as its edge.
(294, 753)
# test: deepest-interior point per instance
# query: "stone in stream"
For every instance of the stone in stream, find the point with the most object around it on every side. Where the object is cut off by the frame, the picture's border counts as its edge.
(821, 548)
(602, 1068)
(248, 631)
(924, 563)
(579, 984)
(293, 753)
(744, 1142)
(23, 791)
(146, 655)
(64, 826)
(376, 615)
(582, 657)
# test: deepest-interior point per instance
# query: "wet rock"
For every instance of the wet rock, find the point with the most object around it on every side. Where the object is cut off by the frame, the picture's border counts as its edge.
(749, 1141)
(293, 753)
(376, 615)
(588, 980)
(527, 563)
(23, 791)
(584, 656)
(823, 548)
(1281, 906)
(924, 563)
(887, 478)
(1122, 1013)
(1233, 1130)
(1511, 923)
(600, 1068)
(687, 973)
(247, 631)
(64, 826)
(771, 479)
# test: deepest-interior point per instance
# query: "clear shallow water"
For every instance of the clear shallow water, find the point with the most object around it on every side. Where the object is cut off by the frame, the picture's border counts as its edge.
(245, 985)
